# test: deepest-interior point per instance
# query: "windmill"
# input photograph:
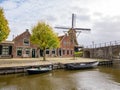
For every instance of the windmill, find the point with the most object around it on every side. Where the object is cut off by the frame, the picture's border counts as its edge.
(73, 30)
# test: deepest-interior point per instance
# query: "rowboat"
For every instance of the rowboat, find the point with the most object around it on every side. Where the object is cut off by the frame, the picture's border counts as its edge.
(73, 66)
(39, 70)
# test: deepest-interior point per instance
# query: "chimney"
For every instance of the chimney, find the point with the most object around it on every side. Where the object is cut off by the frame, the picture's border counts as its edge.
(13, 36)
(27, 30)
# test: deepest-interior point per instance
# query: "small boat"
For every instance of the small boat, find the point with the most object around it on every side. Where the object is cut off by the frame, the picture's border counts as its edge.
(39, 70)
(77, 66)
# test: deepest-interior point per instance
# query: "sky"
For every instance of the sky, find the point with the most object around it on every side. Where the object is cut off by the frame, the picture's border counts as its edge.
(101, 16)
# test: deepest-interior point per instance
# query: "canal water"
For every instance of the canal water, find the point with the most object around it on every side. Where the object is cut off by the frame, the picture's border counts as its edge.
(101, 78)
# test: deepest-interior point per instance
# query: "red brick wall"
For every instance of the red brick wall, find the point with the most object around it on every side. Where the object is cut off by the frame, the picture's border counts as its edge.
(67, 46)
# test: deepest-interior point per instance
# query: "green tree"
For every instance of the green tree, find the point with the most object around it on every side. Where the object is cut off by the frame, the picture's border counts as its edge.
(43, 36)
(4, 29)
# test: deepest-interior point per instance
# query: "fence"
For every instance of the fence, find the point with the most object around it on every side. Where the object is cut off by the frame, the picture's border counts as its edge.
(105, 44)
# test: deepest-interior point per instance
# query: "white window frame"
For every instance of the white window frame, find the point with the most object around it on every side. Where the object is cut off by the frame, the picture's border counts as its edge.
(19, 48)
(5, 50)
(25, 43)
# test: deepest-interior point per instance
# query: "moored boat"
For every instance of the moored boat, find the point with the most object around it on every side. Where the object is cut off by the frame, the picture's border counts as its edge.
(39, 70)
(86, 65)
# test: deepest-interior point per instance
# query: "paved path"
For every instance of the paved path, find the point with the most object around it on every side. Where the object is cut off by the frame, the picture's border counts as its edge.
(17, 62)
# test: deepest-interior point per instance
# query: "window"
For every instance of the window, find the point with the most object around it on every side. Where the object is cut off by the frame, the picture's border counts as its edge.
(5, 50)
(67, 52)
(53, 52)
(47, 51)
(27, 51)
(64, 43)
(63, 52)
(26, 42)
(19, 51)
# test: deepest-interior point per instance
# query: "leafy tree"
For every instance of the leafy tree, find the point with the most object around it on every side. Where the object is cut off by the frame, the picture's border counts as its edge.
(43, 36)
(78, 54)
(4, 29)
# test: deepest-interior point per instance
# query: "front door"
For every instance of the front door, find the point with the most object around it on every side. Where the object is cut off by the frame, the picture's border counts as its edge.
(60, 52)
(41, 53)
(33, 53)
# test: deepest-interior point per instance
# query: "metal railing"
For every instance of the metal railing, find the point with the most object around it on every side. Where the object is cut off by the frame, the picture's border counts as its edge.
(105, 44)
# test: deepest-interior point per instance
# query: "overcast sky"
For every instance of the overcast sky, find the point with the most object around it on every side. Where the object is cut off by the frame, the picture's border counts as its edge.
(101, 16)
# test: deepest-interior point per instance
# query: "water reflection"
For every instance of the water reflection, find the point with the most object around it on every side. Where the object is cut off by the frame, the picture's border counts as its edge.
(102, 78)
(112, 71)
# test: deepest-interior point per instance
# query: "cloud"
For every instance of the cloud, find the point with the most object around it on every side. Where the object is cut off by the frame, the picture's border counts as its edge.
(83, 17)
(104, 24)
(10, 5)
(108, 27)
(105, 29)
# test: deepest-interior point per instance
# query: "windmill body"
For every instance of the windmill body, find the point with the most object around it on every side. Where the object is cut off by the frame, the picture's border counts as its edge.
(72, 35)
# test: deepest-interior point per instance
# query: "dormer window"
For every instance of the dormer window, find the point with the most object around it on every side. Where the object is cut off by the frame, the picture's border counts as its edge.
(26, 42)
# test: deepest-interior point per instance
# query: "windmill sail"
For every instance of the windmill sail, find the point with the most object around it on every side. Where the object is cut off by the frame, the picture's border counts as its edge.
(72, 31)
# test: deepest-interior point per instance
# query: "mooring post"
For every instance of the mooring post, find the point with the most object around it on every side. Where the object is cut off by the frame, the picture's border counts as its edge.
(15, 69)
(93, 48)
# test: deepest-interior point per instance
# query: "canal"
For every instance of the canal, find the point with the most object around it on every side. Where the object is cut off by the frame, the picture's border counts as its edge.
(101, 78)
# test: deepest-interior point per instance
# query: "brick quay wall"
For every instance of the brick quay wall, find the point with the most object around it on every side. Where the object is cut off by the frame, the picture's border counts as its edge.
(18, 65)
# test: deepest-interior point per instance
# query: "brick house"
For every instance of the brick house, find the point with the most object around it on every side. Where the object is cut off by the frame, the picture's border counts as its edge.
(66, 48)
(23, 47)
(6, 49)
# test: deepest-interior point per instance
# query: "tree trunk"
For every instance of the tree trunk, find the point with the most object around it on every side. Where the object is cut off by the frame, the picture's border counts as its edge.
(44, 54)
